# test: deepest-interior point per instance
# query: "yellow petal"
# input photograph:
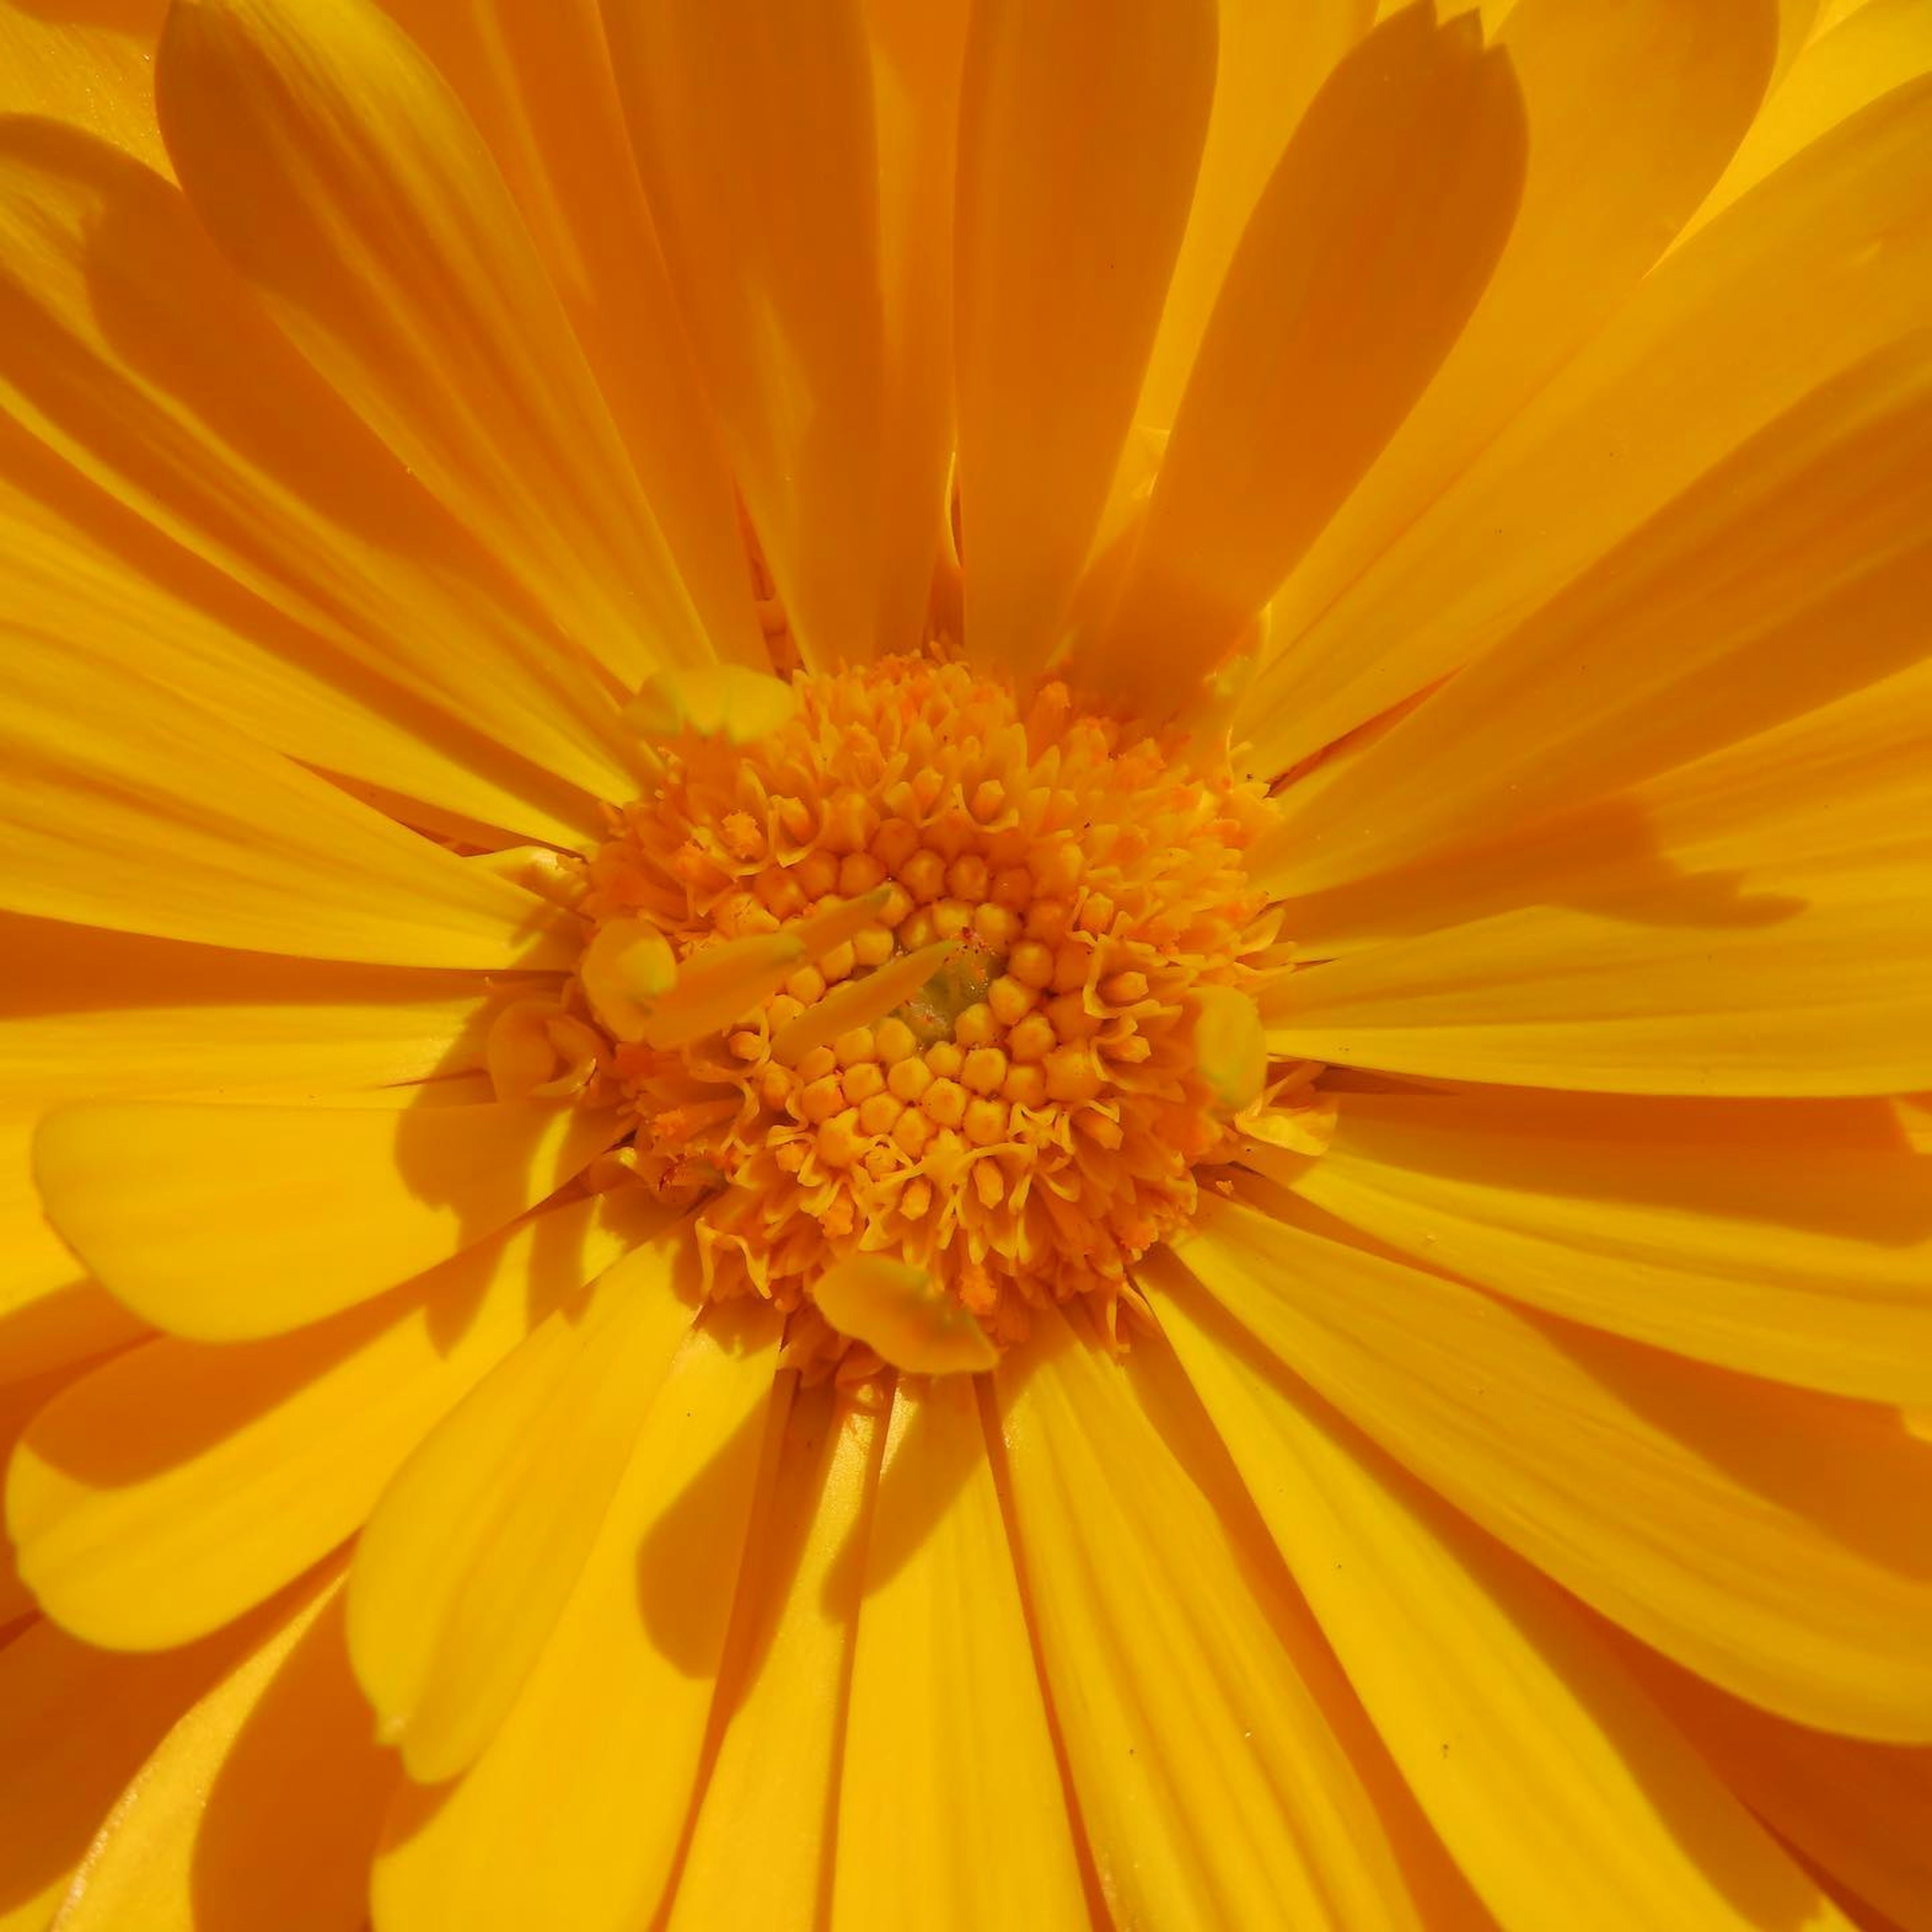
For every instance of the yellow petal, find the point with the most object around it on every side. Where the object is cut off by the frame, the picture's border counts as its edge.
(1857, 1811)
(1271, 59)
(781, 1705)
(538, 83)
(97, 1013)
(1827, 263)
(1771, 1539)
(164, 1493)
(1788, 1239)
(1634, 107)
(1080, 129)
(1796, 570)
(261, 1807)
(1755, 923)
(94, 68)
(918, 49)
(777, 268)
(1561, 1792)
(124, 807)
(904, 1314)
(573, 1815)
(720, 984)
(59, 1775)
(220, 433)
(1360, 263)
(1839, 73)
(857, 1003)
(335, 167)
(947, 1751)
(726, 701)
(222, 1222)
(1230, 1048)
(1193, 1699)
(476, 1543)
(627, 966)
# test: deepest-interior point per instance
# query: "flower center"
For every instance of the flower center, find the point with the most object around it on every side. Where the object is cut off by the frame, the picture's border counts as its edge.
(915, 974)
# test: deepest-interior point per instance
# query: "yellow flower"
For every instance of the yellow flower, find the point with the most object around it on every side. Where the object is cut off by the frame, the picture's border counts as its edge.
(964, 962)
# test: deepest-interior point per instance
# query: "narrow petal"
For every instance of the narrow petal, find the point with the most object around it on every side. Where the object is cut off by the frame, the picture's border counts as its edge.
(538, 85)
(58, 1777)
(1366, 252)
(219, 433)
(261, 1807)
(95, 1014)
(948, 1752)
(1269, 61)
(1213, 1787)
(335, 167)
(777, 266)
(1754, 923)
(1633, 107)
(94, 69)
(1826, 265)
(219, 1222)
(1080, 131)
(1563, 1793)
(78, 566)
(1771, 1540)
(1797, 571)
(1788, 1239)
(164, 1494)
(1858, 1810)
(779, 1719)
(573, 1815)
(475, 1547)
(124, 807)
(1841, 71)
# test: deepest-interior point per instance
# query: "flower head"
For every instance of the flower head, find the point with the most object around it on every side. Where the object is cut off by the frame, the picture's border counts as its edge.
(970, 964)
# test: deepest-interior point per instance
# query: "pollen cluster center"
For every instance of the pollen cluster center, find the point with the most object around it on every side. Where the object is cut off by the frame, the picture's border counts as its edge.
(958, 984)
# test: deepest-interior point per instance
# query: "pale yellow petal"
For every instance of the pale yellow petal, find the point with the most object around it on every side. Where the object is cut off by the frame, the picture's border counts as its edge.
(776, 260)
(164, 1493)
(1213, 1788)
(222, 1221)
(124, 807)
(338, 171)
(574, 1815)
(948, 1753)
(1362, 260)
(1565, 1795)
(261, 1807)
(1634, 107)
(1080, 131)
(217, 431)
(1754, 923)
(475, 1545)
(1769, 1538)
(779, 1718)
(1827, 263)
(904, 1313)
(1788, 1239)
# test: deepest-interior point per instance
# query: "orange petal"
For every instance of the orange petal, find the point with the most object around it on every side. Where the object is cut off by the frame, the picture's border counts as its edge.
(1362, 260)
(1080, 129)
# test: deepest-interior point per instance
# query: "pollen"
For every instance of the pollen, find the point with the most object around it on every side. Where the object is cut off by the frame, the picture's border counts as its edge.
(953, 971)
